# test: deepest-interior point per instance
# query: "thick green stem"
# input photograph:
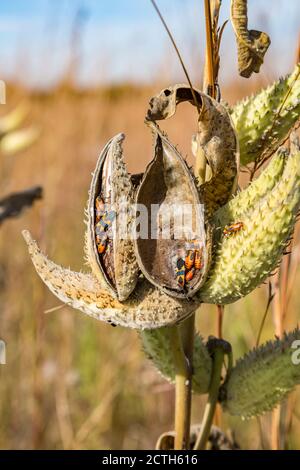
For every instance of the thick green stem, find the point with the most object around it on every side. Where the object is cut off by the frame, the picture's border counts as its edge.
(182, 353)
(212, 400)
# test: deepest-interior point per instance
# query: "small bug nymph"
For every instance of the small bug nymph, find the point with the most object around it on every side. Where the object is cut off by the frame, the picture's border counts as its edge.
(189, 275)
(180, 272)
(99, 208)
(104, 220)
(199, 259)
(101, 246)
(190, 259)
(232, 229)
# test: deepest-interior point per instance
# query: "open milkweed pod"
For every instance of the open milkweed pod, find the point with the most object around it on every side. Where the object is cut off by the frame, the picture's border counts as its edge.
(175, 222)
(98, 294)
(179, 225)
(109, 247)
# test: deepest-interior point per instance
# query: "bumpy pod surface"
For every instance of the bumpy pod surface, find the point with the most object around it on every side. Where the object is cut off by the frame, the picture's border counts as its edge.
(111, 183)
(147, 307)
(263, 377)
(243, 261)
(264, 121)
(247, 199)
(157, 345)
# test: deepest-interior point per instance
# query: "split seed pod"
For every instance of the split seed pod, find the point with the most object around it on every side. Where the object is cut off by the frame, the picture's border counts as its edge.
(175, 222)
(177, 209)
(110, 227)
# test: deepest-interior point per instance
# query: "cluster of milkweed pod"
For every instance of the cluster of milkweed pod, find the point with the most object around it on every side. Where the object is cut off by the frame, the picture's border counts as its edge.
(137, 271)
(133, 282)
(147, 296)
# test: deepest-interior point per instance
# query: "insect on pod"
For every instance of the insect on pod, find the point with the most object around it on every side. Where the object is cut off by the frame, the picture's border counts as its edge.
(180, 272)
(99, 208)
(101, 243)
(189, 275)
(198, 259)
(109, 247)
(190, 259)
(232, 229)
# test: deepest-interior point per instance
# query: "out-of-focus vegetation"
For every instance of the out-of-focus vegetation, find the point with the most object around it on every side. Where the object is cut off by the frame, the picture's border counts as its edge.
(70, 381)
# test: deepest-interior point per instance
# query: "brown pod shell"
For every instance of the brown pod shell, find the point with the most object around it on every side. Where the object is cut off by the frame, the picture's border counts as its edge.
(216, 138)
(117, 265)
(175, 220)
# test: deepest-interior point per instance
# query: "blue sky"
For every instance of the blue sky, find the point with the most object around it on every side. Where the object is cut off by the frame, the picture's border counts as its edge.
(120, 40)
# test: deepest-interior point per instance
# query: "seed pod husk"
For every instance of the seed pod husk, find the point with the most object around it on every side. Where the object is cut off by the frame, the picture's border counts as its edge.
(175, 222)
(111, 184)
(168, 181)
(216, 138)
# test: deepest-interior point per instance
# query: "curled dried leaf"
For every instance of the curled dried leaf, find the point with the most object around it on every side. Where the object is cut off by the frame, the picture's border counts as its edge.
(216, 138)
(252, 44)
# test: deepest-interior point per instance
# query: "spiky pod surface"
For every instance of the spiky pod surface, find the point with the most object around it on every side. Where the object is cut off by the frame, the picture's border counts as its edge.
(147, 307)
(263, 377)
(264, 121)
(157, 345)
(243, 261)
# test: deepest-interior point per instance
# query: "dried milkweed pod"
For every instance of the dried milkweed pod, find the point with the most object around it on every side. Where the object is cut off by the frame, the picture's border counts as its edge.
(109, 246)
(176, 227)
(171, 187)
(252, 44)
(113, 292)
(264, 121)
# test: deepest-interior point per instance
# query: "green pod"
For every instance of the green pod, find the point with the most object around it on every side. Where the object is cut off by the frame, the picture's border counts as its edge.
(263, 377)
(247, 199)
(157, 345)
(245, 259)
(264, 121)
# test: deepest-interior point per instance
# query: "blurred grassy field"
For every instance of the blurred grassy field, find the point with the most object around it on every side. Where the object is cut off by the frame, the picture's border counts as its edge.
(70, 381)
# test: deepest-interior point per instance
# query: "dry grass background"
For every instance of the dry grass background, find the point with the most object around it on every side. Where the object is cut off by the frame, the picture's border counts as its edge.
(70, 381)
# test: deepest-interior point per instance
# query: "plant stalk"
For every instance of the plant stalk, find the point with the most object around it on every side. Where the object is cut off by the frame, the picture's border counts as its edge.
(212, 401)
(183, 382)
(209, 78)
